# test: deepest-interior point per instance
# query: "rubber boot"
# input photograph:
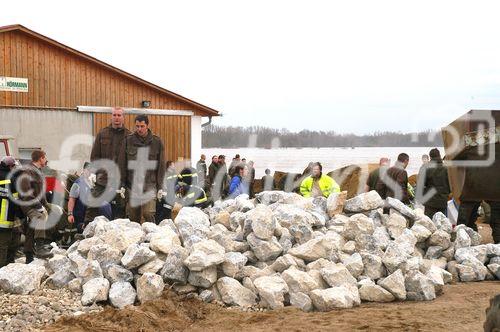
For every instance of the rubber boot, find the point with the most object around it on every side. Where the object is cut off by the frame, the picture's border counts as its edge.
(29, 257)
(42, 249)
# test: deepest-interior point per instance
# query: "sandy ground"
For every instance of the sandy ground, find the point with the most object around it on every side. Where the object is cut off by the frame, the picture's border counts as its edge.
(461, 307)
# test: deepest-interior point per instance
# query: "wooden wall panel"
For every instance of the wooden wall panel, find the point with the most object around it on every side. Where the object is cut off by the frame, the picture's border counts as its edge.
(2, 62)
(58, 78)
(175, 132)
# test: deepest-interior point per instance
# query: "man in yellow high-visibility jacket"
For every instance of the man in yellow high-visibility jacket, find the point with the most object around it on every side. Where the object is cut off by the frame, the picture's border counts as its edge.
(318, 184)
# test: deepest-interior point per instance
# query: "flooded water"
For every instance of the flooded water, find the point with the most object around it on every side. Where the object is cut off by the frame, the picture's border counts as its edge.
(295, 160)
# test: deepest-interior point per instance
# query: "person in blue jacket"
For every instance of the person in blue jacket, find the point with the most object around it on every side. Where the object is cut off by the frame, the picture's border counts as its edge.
(77, 203)
(239, 185)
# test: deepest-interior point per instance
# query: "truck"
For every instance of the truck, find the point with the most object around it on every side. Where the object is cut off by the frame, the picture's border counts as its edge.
(472, 146)
(53, 185)
(7, 146)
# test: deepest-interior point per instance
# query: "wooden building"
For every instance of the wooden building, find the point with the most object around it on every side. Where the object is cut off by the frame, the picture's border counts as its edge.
(49, 92)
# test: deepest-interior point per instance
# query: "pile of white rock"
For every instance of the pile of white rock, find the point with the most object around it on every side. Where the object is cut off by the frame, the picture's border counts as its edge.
(276, 250)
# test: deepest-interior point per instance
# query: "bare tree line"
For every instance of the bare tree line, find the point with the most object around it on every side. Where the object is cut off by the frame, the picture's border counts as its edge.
(262, 137)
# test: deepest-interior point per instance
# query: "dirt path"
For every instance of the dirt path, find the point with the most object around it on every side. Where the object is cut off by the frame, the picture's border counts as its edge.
(460, 308)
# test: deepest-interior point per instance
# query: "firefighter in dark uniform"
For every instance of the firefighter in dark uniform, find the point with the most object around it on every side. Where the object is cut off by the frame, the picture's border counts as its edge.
(184, 190)
(167, 200)
(10, 213)
(188, 191)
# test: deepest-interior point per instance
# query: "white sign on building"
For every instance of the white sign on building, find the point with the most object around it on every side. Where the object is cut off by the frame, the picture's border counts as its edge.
(14, 84)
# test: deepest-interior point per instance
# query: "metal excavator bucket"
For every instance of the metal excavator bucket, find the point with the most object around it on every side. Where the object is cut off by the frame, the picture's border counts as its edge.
(472, 145)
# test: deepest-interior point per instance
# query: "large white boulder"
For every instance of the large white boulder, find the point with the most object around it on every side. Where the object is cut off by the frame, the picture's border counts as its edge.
(149, 287)
(332, 298)
(17, 278)
(235, 294)
(204, 254)
(122, 294)
(95, 290)
(272, 290)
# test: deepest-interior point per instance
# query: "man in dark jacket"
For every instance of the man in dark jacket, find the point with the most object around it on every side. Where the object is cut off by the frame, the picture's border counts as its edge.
(222, 177)
(107, 145)
(371, 182)
(143, 153)
(434, 176)
(235, 162)
(10, 212)
(212, 171)
(395, 180)
(36, 208)
(219, 178)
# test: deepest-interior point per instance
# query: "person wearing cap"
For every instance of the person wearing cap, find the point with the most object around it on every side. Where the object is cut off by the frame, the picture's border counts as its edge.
(191, 173)
(371, 182)
(10, 212)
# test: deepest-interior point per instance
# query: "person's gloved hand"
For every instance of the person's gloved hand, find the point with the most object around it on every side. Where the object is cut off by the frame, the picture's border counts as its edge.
(161, 194)
(121, 191)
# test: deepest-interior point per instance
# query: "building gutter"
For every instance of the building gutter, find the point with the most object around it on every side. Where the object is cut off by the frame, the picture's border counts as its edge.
(203, 125)
(136, 111)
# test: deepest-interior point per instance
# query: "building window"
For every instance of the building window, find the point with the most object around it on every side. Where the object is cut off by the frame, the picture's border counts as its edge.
(25, 153)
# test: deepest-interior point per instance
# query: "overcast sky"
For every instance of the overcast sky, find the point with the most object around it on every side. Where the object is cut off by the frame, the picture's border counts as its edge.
(348, 66)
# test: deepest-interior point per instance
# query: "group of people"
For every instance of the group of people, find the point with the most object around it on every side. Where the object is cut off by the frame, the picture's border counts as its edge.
(240, 178)
(127, 176)
(432, 189)
(150, 187)
(222, 182)
(392, 181)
